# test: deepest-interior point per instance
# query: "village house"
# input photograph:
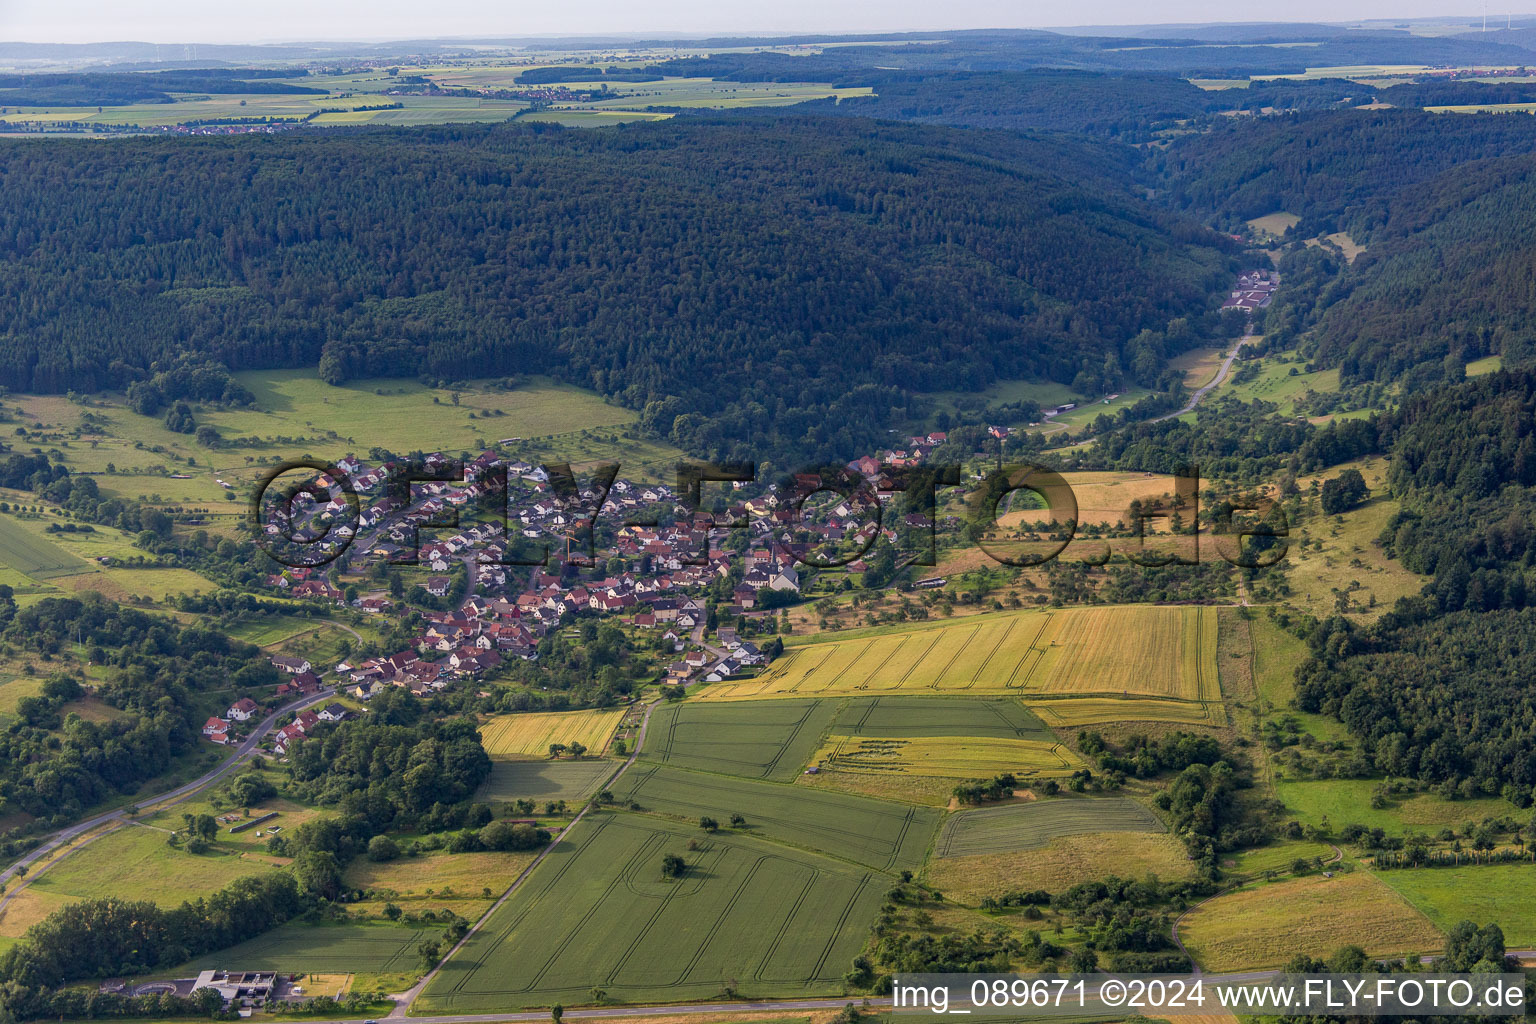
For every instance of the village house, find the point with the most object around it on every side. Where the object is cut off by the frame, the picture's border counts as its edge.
(242, 709)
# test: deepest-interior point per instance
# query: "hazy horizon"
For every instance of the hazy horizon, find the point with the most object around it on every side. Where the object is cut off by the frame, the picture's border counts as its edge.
(185, 22)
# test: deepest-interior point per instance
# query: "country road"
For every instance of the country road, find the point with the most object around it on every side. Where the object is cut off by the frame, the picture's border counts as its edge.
(1214, 383)
(167, 799)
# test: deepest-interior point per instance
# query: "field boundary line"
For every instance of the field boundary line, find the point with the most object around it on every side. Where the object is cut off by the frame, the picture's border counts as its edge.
(883, 662)
(938, 635)
(976, 676)
(635, 943)
(730, 905)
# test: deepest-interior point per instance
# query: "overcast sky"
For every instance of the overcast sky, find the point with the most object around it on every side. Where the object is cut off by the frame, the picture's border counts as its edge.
(218, 21)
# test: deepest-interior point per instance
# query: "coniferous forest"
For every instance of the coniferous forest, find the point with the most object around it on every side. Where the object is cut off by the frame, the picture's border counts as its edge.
(773, 280)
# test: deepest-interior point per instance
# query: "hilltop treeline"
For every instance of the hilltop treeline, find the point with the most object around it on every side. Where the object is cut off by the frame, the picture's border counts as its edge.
(1317, 165)
(1446, 279)
(1440, 93)
(1130, 106)
(1212, 52)
(785, 279)
(1075, 101)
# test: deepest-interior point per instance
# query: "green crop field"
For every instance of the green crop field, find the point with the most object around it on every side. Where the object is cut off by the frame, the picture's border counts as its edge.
(758, 919)
(935, 716)
(369, 946)
(33, 554)
(955, 757)
(1501, 894)
(881, 835)
(1023, 826)
(1060, 864)
(769, 739)
(265, 630)
(403, 415)
(544, 780)
(1282, 380)
(158, 584)
(1126, 651)
(1277, 857)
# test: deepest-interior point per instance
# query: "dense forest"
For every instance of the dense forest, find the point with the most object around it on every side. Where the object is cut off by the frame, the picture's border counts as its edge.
(1317, 165)
(1448, 278)
(784, 280)
(53, 764)
(1439, 687)
(1069, 101)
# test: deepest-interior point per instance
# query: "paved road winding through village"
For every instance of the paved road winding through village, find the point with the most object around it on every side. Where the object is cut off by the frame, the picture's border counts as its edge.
(113, 819)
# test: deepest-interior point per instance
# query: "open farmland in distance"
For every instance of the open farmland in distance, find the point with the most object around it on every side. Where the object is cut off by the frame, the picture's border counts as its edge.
(771, 739)
(530, 735)
(1023, 826)
(760, 919)
(1122, 651)
(876, 833)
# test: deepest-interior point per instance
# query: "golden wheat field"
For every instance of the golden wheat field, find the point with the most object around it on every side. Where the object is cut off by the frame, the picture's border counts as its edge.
(1075, 712)
(1266, 925)
(956, 757)
(530, 735)
(1112, 652)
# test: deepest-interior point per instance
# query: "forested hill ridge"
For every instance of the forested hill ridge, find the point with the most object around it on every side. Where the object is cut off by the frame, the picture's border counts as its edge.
(763, 281)
(1317, 165)
(1441, 203)
(1439, 688)
(1448, 277)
